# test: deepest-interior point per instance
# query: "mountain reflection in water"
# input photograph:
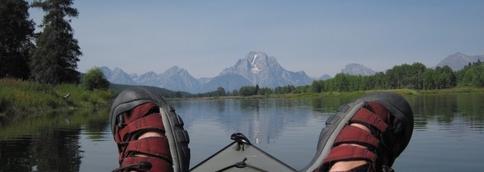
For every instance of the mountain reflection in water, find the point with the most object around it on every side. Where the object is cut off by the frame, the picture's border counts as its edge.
(448, 133)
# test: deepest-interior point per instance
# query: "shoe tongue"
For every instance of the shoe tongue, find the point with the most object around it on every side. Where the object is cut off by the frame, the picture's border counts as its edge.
(139, 112)
(379, 110)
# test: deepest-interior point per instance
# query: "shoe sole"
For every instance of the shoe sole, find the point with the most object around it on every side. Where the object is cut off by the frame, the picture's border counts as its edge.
(396, 104)
(176, 135)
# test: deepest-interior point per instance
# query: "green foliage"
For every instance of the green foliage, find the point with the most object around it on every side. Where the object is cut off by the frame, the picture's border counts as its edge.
(217, 93)
(414, 76)
(284, 89)
(94, 79)
(220, 91)
(264, 91)
(438, 78)
(406, 76)
(473, 75)
(248, 91)
(16, 32)
(446, 77)
(251, 91)
(55, 58)
(23, 98)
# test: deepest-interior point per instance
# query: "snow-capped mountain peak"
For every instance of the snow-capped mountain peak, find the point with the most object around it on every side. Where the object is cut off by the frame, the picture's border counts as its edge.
(257, 61)
(260, 68)
(256, 68)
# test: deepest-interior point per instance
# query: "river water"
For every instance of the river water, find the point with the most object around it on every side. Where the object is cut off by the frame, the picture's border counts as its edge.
(448, 135)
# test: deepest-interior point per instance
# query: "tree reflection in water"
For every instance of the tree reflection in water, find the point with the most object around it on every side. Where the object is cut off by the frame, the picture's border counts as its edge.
(52, 142)
(49, 142)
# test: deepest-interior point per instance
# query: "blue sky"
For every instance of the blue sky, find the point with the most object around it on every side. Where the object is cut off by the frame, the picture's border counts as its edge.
(319, 37)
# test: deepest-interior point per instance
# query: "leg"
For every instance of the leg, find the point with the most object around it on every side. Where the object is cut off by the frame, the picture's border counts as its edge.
(351, 165)
(367, 135)
(148, 132)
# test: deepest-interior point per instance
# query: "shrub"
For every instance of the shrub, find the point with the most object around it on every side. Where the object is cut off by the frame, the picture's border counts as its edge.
(94, 79)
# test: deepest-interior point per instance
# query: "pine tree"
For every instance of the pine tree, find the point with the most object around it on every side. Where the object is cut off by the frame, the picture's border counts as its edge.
(55, 58)
(16, 32)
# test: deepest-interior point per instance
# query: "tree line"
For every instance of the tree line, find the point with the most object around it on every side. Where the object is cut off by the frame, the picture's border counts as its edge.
(411, 76)
(48, 56)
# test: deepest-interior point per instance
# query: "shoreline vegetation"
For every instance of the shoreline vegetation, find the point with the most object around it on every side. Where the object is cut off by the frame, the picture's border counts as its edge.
(404, 92)
(21, 99)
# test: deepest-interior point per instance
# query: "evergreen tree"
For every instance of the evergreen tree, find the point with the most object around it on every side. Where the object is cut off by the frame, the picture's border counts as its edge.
(316, 86)
(16, 32)
(247, 91)
(56, 56)
(257, 89)
(220, 91)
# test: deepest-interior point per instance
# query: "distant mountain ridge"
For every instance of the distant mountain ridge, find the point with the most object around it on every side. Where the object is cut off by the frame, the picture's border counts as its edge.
(259, 68)
(117, 75)
(175, 78)
(458, 61)
(357, 69)
(255, 68)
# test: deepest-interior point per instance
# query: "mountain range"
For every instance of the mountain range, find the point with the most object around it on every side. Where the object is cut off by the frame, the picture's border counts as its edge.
(256, 68)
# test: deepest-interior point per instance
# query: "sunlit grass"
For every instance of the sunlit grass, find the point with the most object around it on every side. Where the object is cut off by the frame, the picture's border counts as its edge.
(19, 99)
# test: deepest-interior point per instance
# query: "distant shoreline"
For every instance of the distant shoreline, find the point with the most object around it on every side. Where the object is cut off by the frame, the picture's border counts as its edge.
(408, 92)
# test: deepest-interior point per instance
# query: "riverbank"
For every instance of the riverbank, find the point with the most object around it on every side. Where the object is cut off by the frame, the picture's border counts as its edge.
(408, 92)
(20, 99)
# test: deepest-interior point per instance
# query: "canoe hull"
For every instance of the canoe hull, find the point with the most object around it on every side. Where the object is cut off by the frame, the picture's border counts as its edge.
(242, 157)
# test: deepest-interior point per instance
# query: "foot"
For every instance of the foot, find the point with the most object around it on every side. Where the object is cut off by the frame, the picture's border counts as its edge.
(368, 135)
(149, 134)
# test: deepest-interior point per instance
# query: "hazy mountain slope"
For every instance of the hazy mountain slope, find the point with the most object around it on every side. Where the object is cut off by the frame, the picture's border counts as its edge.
(229, 82)
(324, 77)
(357, 69)
(175, 78)
(459, 60)
(259, 68)
(117, 76)
(179, 79)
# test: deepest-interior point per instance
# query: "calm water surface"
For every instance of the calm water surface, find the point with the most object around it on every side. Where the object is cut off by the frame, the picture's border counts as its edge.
(448, 135)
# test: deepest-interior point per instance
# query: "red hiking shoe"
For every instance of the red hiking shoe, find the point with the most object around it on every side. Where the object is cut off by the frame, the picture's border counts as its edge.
(390, 120)
(136, 111)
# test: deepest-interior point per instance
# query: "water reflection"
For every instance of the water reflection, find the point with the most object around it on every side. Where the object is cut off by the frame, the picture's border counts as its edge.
(58, 150)
(47, 143)
(261, 120)
(286, 128)
(444, 109)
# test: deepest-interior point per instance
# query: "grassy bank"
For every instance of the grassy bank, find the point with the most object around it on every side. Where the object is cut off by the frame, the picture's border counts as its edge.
(19, 99)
